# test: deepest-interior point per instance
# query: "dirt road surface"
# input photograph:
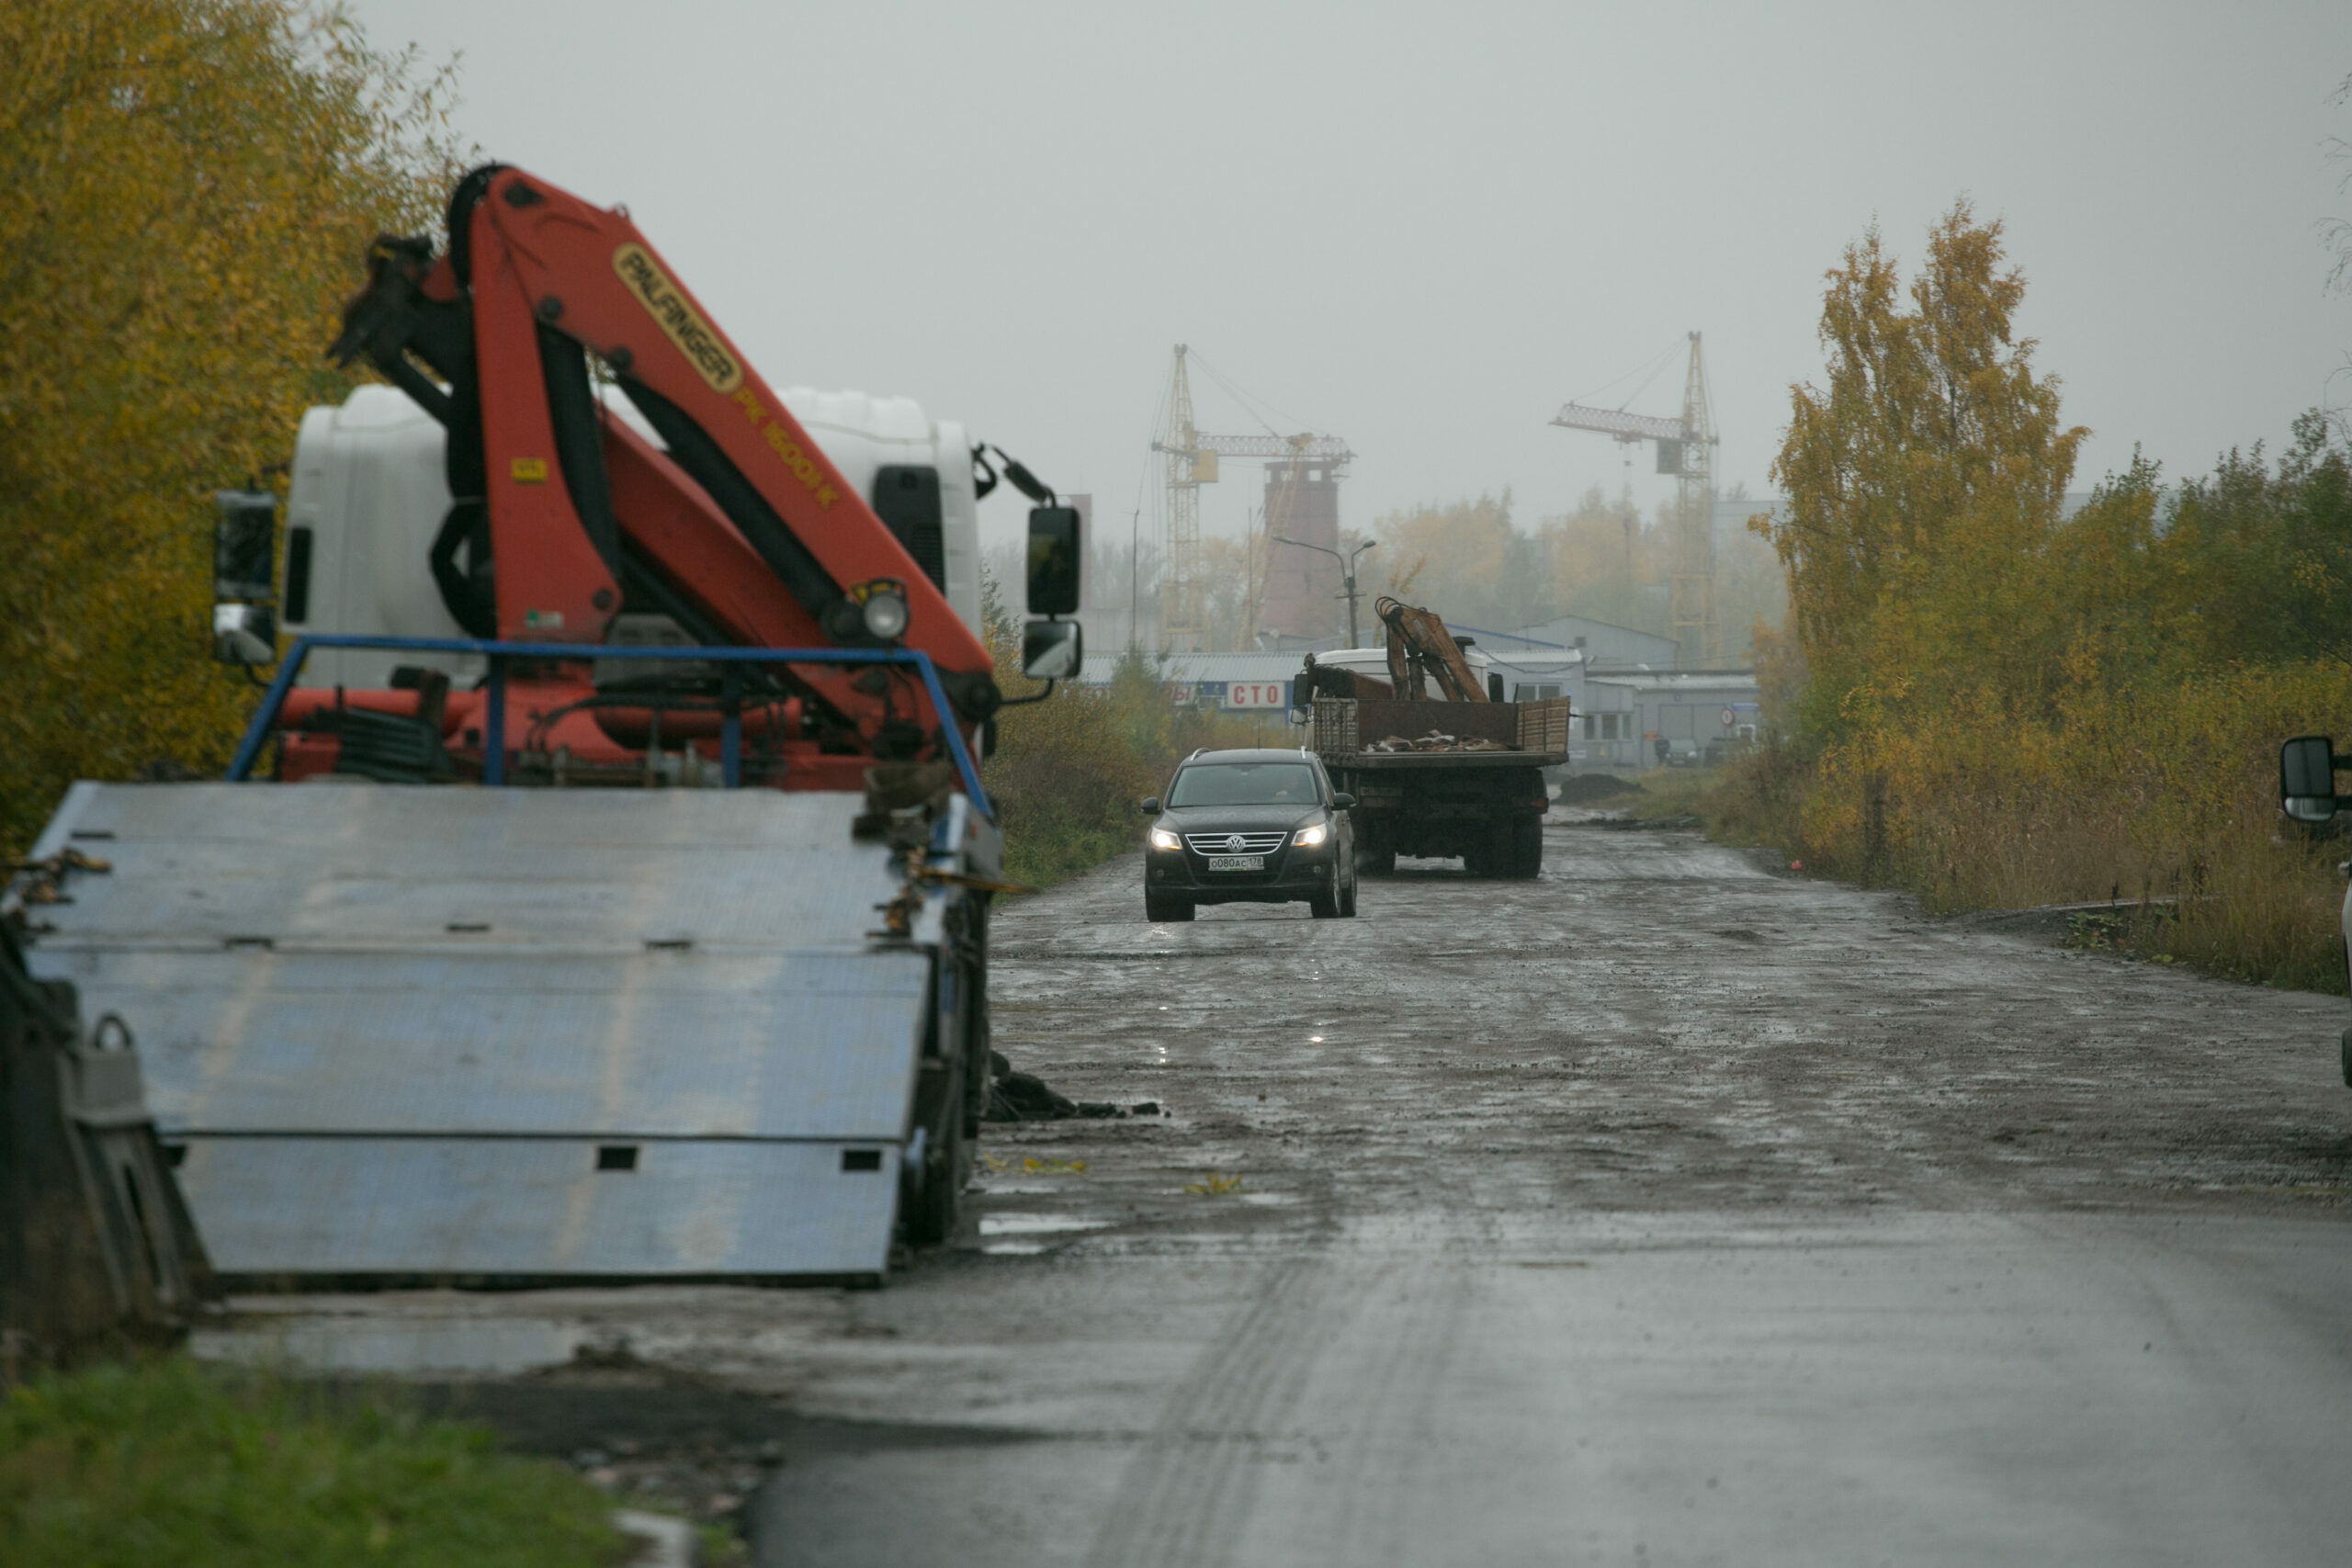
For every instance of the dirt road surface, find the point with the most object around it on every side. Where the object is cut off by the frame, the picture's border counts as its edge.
(1662, 1210)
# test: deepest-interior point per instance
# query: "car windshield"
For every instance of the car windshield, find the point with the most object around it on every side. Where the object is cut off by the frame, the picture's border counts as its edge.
(1244, 784)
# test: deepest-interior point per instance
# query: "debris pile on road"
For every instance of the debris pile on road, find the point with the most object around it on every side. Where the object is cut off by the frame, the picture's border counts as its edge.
(1437, 741)
(1025, 1097)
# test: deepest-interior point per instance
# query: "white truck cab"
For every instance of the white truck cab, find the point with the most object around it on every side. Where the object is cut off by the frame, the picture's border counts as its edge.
(369, 495)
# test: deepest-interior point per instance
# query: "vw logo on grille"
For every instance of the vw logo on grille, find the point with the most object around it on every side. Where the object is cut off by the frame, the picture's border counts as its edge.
(1236, 844)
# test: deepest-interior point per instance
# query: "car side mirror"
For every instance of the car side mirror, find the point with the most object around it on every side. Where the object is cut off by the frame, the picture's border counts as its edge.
(1151, 806)
(2306, 767)
(1341, 800)
(1052, 651)
(1054, 555)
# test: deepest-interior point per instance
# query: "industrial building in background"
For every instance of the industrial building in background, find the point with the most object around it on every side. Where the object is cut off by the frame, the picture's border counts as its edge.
(1685, 449)
(1294, 599)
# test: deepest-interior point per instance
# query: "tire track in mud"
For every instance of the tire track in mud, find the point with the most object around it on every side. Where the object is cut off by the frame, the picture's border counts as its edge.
(1305, 1431)
(1187, 1496)
(1387, 1423)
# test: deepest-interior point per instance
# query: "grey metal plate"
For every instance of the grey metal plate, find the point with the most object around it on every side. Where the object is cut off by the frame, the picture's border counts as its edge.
(535, 1207)
(770, 1045)
(328, 863)
(330, 982)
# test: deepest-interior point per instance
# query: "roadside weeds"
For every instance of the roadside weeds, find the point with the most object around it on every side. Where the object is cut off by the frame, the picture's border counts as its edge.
(2245, 904)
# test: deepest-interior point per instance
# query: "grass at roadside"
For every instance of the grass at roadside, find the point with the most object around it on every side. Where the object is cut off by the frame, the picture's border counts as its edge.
(1068, 772)
(2234, 896)
(166, 1462)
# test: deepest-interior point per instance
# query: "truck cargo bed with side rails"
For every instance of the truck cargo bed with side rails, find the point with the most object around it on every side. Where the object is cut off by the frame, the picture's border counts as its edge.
(1483, 800)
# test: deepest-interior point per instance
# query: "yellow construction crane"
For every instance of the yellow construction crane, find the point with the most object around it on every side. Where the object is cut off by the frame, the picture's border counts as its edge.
(1191, 458)
(1686, 449)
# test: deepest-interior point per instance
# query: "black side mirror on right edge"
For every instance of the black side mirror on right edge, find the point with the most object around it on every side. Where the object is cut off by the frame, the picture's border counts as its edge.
(2307, 766)
(1151, 807)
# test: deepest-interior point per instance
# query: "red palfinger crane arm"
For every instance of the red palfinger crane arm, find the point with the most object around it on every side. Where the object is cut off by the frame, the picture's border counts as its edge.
(559, 511)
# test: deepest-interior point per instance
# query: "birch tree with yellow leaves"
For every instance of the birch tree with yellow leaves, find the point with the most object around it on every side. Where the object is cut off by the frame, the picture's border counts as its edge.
(1925, 480)
(1993, 703)
(186, 190)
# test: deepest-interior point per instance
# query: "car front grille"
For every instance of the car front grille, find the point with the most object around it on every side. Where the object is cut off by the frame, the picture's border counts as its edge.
(1235, 843)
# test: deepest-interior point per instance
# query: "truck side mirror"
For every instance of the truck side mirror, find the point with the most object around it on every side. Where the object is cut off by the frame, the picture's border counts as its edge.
(244, 544)
(244, 570)
(2306, 767)
(1053, 560)
(1051, 650)
(244, 634)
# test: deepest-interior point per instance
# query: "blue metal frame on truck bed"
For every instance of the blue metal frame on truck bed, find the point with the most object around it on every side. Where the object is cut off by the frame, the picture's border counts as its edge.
(496, 654)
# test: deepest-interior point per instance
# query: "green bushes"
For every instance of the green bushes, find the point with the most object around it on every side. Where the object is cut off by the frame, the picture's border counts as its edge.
(168, 1462)
(1067, 771)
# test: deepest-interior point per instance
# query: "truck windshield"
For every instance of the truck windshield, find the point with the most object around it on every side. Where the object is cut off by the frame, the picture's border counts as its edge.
(1244, 784)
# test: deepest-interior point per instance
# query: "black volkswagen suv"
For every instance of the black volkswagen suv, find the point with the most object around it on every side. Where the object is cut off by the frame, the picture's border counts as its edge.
(1253, 826)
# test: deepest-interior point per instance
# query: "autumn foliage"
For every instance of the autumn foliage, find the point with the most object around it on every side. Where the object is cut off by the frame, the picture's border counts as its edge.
(1996, 703)
(187, 187)
(1069, 773)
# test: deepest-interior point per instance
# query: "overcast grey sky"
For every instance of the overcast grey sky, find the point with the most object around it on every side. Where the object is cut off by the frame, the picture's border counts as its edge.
(1423, 227)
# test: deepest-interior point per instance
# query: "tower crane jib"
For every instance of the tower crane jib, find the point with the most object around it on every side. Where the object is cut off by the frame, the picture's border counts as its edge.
(1686, 450)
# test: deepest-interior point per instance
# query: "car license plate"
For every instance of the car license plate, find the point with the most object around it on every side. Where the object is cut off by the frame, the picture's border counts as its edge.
(1237, 862)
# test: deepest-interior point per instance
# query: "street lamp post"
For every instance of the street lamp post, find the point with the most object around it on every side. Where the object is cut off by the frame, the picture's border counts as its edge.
(1346, 573)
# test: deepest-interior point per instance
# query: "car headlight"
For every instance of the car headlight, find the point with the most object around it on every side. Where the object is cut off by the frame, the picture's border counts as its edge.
(1314, 833)
(1161, 839)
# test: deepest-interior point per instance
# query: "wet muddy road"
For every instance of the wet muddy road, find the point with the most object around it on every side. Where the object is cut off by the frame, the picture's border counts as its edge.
(1663, 1211)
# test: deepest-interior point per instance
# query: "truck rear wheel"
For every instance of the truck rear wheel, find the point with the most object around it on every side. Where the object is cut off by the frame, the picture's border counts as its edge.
(1490, 854)
(1526, 856)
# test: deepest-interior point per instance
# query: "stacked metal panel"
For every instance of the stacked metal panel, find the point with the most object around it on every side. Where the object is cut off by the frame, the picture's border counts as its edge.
(460, 1032)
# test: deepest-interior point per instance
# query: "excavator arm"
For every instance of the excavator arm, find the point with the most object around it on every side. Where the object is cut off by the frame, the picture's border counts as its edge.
(1420, 646)
(561, 512)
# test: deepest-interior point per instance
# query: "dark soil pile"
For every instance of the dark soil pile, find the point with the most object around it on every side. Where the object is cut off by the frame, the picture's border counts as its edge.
(1578, 788)
(1025, 1097)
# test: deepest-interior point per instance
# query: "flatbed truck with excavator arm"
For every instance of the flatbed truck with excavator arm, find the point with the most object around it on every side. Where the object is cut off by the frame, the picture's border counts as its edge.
(1440, 765)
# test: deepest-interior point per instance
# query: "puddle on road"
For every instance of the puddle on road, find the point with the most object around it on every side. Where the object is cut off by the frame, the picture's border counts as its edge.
(1031, 1224)
(1014, 1236)
(453, 1345)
